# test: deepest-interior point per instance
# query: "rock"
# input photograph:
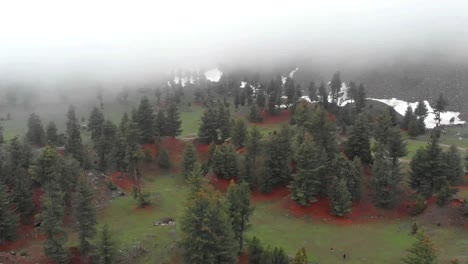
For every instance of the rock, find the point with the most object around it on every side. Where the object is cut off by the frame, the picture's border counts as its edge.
(13, 253)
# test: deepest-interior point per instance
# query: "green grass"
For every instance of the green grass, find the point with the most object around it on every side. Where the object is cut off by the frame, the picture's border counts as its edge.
(191, 120)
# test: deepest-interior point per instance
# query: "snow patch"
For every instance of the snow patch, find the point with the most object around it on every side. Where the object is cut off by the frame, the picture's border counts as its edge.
(400, 106)
(213, 75)
(291, 75)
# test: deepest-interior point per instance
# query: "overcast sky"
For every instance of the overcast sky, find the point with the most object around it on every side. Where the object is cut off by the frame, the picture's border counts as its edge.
(132, 38)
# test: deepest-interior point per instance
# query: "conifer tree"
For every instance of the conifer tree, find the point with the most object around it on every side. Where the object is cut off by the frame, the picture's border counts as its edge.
(413, 127)
(239, 133)
(95, 123)
(247, 169)
(190, 158)
(253, 142)
(440, 106)
(360, 101)
(160, 124)
(8, 220)
(255, 250)
(224, 121)
(35, 134)
(106, 248)
(209, 126)
(301, 257)
(74, 145)
(173, 121)
(382, 128)
(52, 134)
(85, 215)
(254, 115)
(385, 181)
(145, 121)
(455, 170)
(396, 146)
(358, 144)
(312, 89)
(323, 95)
(22, 196)
(104, 144)
(323, 132)
(239, 209)
(279, 256)
(407, 118)
(261, 99)
(306, 183)
(163, 159)
(225, 163)
(207, 234)
(335, 86)
(52, 224)
(422, 251)
(341, 203)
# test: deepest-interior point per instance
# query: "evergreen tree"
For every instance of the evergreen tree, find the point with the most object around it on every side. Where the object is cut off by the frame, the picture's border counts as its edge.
(396, 146)
(106, 248)
(35, 134)
(279, 256)
(74, 145)
(22, 196)
(301, 257)
(173, 121)
(360, 101)
(306, 183)
(95, 123)
(323, 95)
(160, 124)
(382, 128)
(144, 119)
(223, 121)
(440, 106)
(455, 170)
(85, 216)
(253, 142)
(341, 203)
(52, 134)
(255, 250)
(104, 144)
(261, 99)
(323, 132)
(422, 251)
(254, 115)
(8, 220)
(335, 86)
(239, 209)
(312, 89)
(163, 159)
(413, 127)
(190, 158)
(386, 180)
(225, 164)
(358, 144)
(290, 91)
(239, 133)
(247, 169)
(209, 126)
(52, 224)
(407, 118)
(207, 235)
(421, 113)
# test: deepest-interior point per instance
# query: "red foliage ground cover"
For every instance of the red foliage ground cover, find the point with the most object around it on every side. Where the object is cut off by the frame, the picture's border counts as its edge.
(243, 259)
(123, 180)
(150, 148)
(283, 117)
(219, 183)
(276, 194)
(202, 150)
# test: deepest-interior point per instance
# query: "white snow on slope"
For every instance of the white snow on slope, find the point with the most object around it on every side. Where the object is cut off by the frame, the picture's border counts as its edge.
(213, 75)
(400, 106)
(291, 75)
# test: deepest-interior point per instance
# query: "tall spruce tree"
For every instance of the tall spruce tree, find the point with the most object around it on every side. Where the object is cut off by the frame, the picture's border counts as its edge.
(173, 121)
(145, 121)
(360, 100)
(455, 170)
(105, 143)
(385, 181)
(396, 146)
(358, 144)
(52, 136)
(208, 130)
(253, 142)
(163, 159)
(312, 89)
(74, 145)
(422, 251)
(239, 209)
(225, 162)
(224, 121)
(95, 123)
(207, 234)
(323, 130)
(335, 86)
(85, 215)
(190, 158)
(8, 219)
(306, 182)
(239, 133)
(160, 124)
(106, 247)
(407, 118)
(341, 202)
(255, 250)
(35, 134)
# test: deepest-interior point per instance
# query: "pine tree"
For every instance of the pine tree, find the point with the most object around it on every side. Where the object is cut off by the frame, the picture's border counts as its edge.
(95, 123)
(85, 216)
(279, 256)
(145, 121)
(261, 99)
(360, 99)
(163, 159)
(341, 203)
(440, 106)
(74, 145)
(323, 95)
(239, 133)
(422, 251)
(335, 86)
(45, 166)
(382, 128)
(239, 209)
(301, 257)
(190, 158)
(396, 146)
(455, 170)
(160, 124)
(35, 134)
(358, 144)
(253, 142)
(385, 181)
(407, 118)
(312, 89)
(52, 134)
(207, 235)
(290, 91)
(255, 250)
(22, 196)
(104, 144)
(223, 121)
(106, 248)
(247, 170)
(8, 220)
(306, 183)
(225, 163)
(173, 121)
(323, 131)
(351, 171)
(52, 224)
(254, 115)
(208, 130)
(413, 127)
